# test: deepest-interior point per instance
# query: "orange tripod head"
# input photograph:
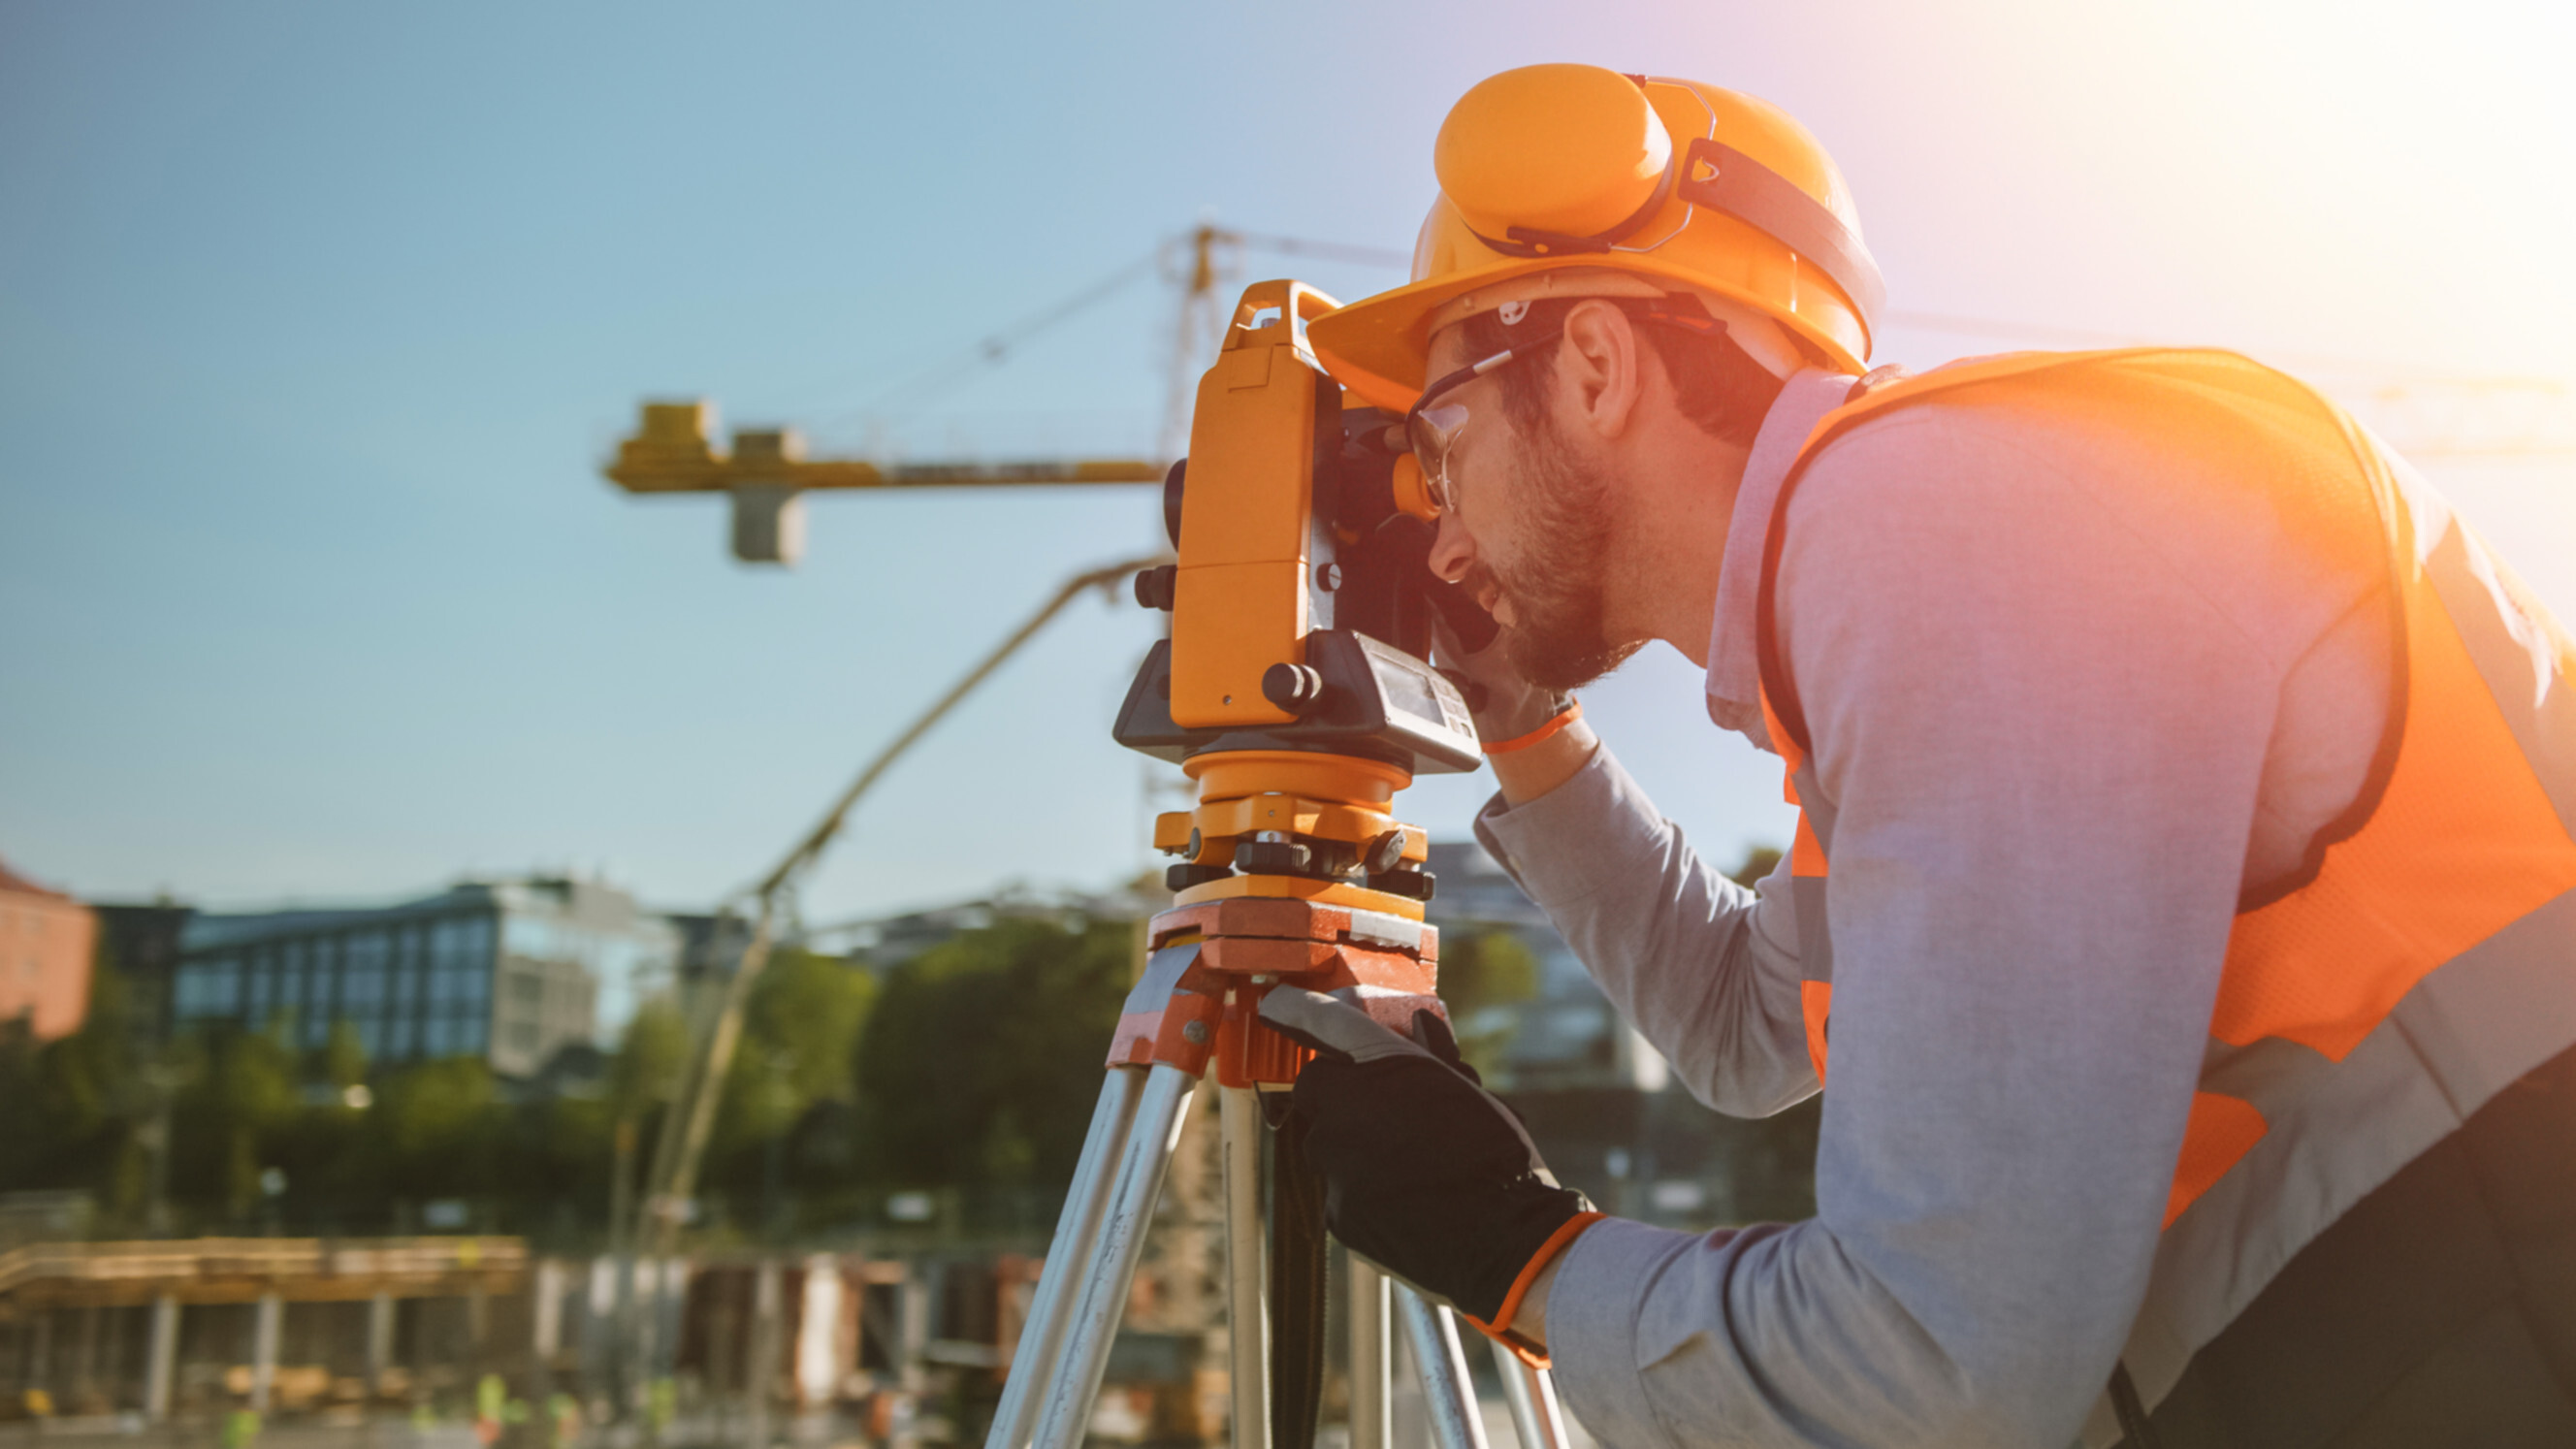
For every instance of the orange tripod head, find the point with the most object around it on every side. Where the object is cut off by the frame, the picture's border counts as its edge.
(1296, 690)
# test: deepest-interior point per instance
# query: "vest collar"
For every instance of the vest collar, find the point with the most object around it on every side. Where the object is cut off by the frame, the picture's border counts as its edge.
(1734, 670)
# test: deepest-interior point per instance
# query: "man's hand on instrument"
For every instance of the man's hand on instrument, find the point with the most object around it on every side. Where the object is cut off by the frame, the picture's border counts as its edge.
(1427, 1174)
(1511, 713)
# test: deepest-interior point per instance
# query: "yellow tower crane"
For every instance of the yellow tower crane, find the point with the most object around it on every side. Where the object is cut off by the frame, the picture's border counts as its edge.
(767, 474)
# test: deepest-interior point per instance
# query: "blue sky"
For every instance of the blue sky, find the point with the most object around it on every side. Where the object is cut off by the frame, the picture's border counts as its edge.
(316, 320)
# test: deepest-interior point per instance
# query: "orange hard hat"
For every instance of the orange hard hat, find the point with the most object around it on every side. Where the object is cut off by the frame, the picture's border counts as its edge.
(1553, 168)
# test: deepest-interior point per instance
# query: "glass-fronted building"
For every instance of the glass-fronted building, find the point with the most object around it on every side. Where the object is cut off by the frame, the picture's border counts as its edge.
(510, 971)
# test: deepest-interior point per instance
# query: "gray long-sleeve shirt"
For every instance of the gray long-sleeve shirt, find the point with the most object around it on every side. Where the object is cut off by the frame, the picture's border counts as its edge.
(2071, 688)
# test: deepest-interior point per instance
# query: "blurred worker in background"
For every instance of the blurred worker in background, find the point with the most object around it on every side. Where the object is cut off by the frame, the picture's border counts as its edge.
(2180, 910)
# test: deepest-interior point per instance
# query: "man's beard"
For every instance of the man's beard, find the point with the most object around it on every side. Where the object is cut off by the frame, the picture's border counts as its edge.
(1559, 639)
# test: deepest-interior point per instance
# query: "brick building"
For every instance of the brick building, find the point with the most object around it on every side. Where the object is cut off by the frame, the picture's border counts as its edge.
(45, 943)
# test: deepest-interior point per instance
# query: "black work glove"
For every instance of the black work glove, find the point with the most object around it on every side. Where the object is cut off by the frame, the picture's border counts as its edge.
(1427, 1174)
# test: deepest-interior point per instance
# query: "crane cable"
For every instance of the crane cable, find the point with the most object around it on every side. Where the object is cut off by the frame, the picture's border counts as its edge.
(998, 347)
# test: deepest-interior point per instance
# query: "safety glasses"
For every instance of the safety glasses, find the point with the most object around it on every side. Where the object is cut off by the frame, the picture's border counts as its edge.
(1437, 418)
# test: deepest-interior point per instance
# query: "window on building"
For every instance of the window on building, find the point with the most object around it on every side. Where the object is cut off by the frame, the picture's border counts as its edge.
(321, 984)
(534, 937)
(208, 989)
(462, 941)
(363, 989)
(459, 988)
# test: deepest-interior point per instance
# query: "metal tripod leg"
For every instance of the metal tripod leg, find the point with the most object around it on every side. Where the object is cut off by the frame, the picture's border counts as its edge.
(1537, 1417)
(1072, 1381)
(1247, 1268)
(1372, 1358)
(1449, 1395)
(1077, 1233)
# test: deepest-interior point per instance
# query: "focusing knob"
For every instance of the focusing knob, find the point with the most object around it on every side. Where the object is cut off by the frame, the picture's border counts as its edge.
(1157, 587)
(1294, 688)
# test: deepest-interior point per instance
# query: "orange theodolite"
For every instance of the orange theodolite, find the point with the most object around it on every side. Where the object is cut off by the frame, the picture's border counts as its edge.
(1296, 691)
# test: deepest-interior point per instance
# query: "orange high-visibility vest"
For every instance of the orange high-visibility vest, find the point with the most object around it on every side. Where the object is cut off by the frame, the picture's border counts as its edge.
(2426, 955)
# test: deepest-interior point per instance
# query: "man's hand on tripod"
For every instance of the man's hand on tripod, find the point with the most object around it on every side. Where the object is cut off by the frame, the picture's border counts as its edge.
(1427, 1174)
(1535, 738)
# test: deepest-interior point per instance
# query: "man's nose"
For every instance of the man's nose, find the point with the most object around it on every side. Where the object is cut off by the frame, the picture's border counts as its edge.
(1453, 552)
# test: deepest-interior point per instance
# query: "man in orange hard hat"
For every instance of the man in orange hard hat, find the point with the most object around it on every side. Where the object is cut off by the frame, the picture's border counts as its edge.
(2183, 904)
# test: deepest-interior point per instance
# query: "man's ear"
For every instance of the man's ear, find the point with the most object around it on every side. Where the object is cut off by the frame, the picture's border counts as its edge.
(1600, 371)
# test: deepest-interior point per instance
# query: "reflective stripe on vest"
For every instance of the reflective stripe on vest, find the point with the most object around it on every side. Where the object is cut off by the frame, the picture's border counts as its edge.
(2427, 955)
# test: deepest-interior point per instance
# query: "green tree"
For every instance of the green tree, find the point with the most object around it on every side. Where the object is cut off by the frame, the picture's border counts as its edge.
(253, 1097)
(983, 1056)
(439, 1125)
(1483, 969)
(325, 1144)
(562, 1152)
(68, 1106)
(1483, 973)
(1759, 861)
(344, 1057)
(800, 1034)
(652, 1056)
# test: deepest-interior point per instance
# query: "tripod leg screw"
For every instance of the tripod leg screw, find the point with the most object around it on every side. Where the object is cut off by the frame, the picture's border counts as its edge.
(1194, 1032)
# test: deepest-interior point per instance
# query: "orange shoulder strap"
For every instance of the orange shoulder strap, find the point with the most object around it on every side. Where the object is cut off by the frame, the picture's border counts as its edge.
(2206, 367)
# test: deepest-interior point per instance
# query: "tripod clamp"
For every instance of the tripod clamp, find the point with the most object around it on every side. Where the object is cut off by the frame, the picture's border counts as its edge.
(1209, 965)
